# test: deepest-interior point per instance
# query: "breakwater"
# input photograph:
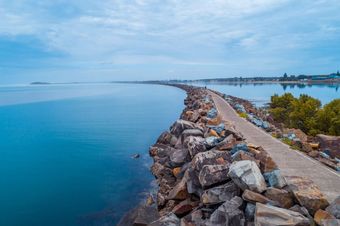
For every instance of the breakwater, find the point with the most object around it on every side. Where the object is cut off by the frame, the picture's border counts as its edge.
(208, 175)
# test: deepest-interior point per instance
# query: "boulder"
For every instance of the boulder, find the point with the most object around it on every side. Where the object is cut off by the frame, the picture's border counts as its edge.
(141, 216)
(211, 141)
(227, 143)
(179, 192)
(220, 193)
(167, 220)
(239, 147)
(213, 174)
(193, 184)
(255, 197)
(228, 213)
(307, 193)
(180, 125)
(184, 207)
(179, 157)
(267, 164)
(212, 113)
(195, 218)
(280, 196)
(213, 133)
(321, 215)
(164, 138)
(243, 155)
(191, 132)
(195, 145)
(209, 158)
(330, 143)
(247, 175)
(334, 208)
(275, 179)
(266, 215)
(219, 128)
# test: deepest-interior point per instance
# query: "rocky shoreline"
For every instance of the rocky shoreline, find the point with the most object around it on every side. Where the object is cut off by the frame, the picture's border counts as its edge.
(323, 148)
(208, 175)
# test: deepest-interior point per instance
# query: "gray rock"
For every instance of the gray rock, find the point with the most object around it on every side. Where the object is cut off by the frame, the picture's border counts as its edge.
(180, 125)
(195, 145)
(167, 220)
(193, 184)
(213, 174)
(247, 175)
(275, 179)
(179, 157)
(210, 158)
(228, 213)
(266, 215)
(195, 218)
(212, 141)
(220, 193)
(334, 208)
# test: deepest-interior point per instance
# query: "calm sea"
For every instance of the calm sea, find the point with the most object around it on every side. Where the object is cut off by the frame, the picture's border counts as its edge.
(66, 150)
(260, 94)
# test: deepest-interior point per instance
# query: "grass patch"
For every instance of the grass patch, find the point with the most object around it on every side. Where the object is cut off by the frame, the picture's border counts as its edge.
(242, 114)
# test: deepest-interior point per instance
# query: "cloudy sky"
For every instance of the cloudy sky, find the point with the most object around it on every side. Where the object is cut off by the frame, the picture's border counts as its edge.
(83, 40)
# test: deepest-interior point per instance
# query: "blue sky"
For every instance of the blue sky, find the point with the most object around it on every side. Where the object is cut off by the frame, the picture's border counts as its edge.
(83, 40)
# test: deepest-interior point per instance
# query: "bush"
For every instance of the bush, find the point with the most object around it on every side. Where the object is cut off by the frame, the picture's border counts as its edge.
(305, 113)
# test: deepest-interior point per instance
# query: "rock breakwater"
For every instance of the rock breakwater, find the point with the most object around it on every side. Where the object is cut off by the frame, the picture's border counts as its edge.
(208, 175)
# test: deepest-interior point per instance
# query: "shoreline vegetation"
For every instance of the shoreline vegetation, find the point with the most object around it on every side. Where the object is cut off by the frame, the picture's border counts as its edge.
(209, 175)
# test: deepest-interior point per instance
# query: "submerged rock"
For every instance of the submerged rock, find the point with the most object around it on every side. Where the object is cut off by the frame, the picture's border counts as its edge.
(266, 215)
(247, 175)
(141, 216)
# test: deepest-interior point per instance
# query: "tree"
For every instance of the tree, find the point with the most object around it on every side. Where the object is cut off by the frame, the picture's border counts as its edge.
(328, 118)
(280, 107)
(303, 114)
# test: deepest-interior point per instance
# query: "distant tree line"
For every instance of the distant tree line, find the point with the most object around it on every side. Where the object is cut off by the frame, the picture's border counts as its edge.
(306, 113)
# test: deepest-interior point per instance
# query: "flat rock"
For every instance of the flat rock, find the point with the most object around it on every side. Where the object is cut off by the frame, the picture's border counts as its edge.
(180, 125)
(247, 175)
(307, 193)
(213, 174)
(282, 197)
(266, 215)
(220, 193)
(254, 197)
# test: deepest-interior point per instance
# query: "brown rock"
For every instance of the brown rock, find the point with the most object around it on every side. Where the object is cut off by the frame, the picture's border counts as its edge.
(267, 164)
(213, 133)
(227, 144)
(184, 207)
(215, 121)
(322, 215)
(266, 215)
(254, 197)
(179, 192)
(280, 196)
(307, 193)
(176, 171)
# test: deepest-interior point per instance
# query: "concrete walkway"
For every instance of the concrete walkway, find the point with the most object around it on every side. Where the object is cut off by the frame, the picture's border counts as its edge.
(291, 162)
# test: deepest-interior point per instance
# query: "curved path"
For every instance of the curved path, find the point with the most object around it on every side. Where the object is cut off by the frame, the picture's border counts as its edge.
(290, 162)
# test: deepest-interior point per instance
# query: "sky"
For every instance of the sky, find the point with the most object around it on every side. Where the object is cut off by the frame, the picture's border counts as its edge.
(107, 40)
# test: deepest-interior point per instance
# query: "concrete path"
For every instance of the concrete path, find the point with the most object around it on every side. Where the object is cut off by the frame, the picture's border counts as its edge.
(291, 162)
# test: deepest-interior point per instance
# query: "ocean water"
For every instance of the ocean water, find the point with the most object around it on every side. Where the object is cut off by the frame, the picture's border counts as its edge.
(65, 150)
(260, 94)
